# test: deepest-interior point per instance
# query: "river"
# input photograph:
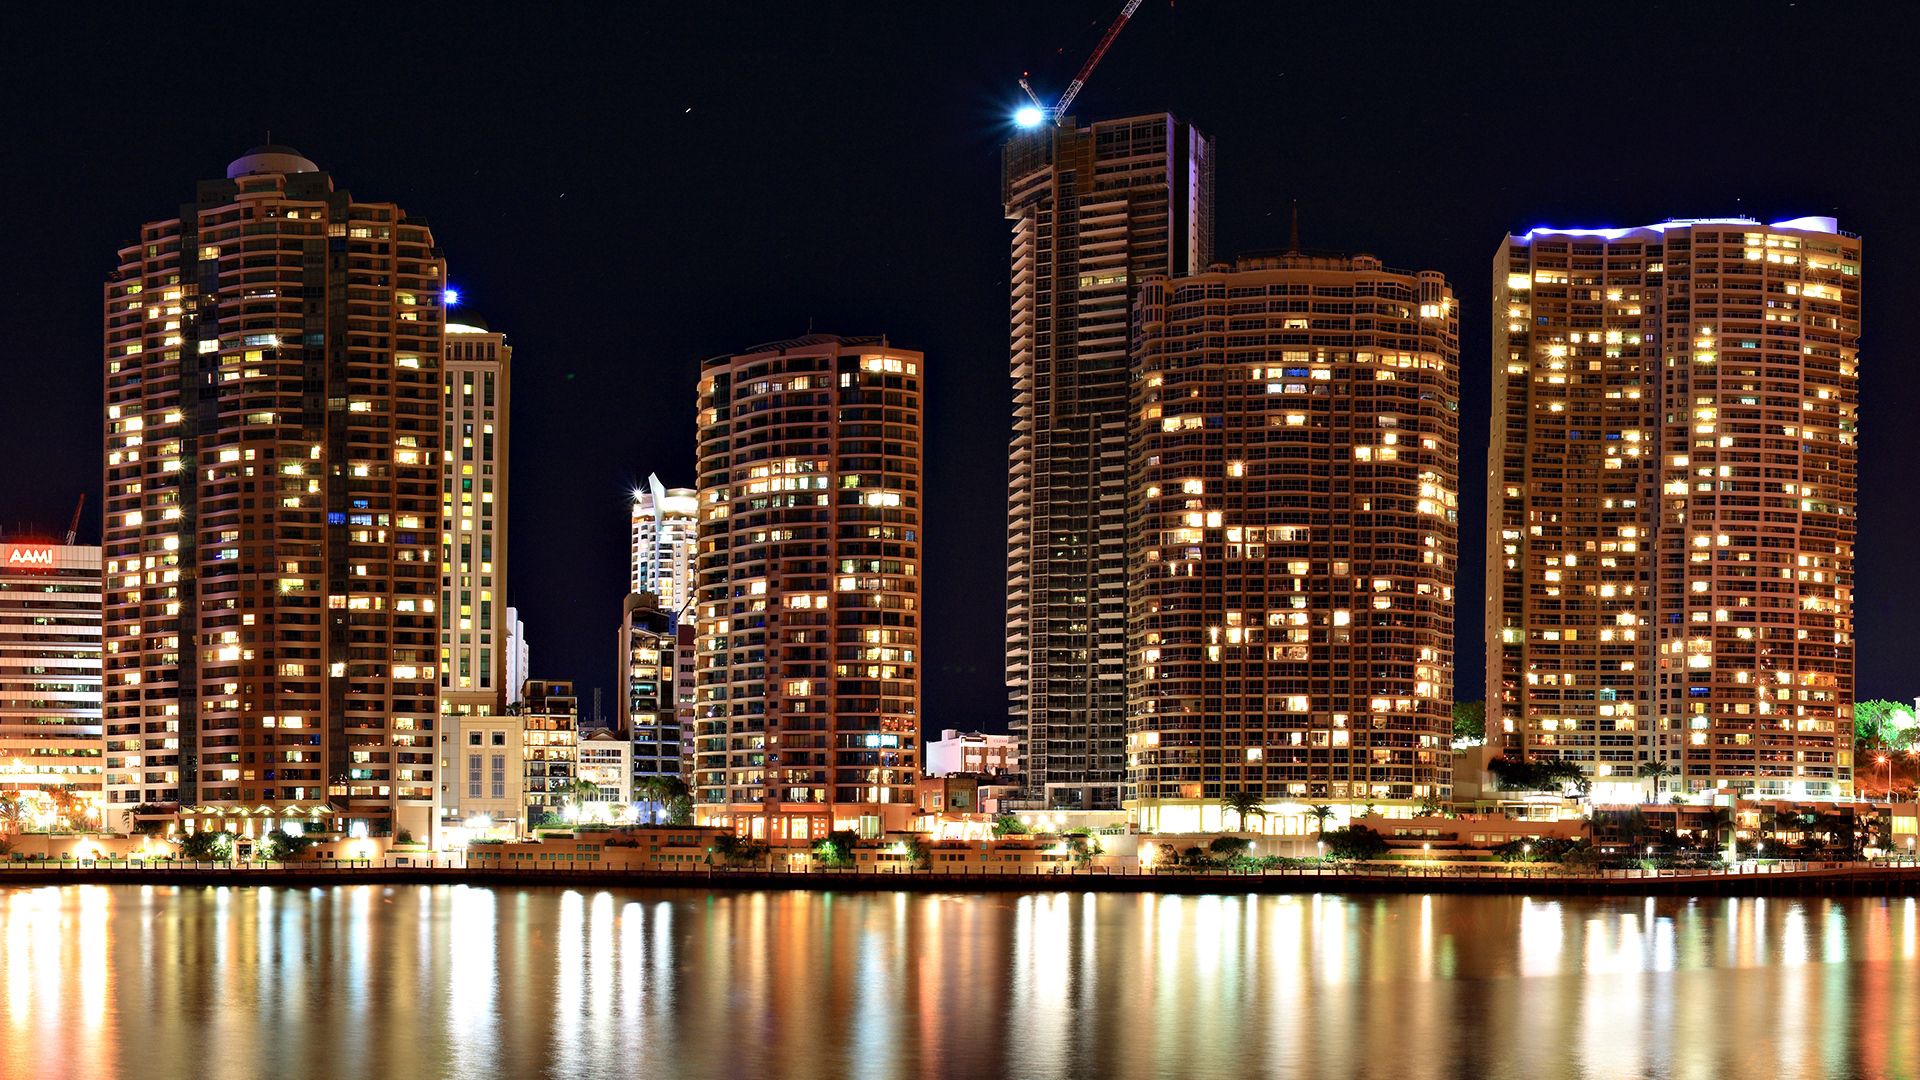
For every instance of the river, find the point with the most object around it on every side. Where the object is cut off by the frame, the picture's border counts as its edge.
(426, 981)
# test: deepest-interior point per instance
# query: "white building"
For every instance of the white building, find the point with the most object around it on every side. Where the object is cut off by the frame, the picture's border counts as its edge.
(972, 753)
(517, 653)
(663, 528)
(606, 761)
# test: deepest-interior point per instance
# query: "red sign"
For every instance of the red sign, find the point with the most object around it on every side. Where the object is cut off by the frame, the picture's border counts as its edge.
(21, 555)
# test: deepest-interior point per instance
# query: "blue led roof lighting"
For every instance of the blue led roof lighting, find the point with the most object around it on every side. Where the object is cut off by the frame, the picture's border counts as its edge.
(1803, 224)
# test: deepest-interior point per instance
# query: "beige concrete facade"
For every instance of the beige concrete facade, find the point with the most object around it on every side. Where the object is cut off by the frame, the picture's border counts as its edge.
(1294, 516)
(272, 368)
(1671, 517)
(808, 587)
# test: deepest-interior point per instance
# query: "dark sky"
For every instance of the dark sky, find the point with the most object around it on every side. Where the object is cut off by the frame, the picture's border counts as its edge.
(625, 190)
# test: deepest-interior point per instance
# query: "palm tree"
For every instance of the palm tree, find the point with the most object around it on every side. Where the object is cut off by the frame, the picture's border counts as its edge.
(11, 813)
(1243, 802)
(1658, 772)
(668, 796)
(1320, 814)
(580, 793)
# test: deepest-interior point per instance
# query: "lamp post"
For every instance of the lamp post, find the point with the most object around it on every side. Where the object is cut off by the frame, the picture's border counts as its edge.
(1887, 761)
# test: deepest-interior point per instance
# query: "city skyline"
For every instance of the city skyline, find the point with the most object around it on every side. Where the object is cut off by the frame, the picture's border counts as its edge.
(966, 407)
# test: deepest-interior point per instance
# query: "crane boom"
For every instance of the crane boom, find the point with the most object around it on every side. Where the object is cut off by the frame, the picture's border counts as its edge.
(1100, 50)
(73, 530)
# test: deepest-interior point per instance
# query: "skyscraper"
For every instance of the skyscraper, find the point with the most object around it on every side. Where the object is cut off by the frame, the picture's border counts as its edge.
(1093, 210)
(1671, 517)
(808, 579)
(1294, 520)
(664, 529)
(272, 527)
(473, 520)
(50, 673)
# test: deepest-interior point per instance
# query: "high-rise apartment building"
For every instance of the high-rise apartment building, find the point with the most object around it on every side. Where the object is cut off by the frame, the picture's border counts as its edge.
(50, 675)
(272, 521)
(808, 587)
(478, 371)
(663, 530)
(1093, 210)
(1672, 501)
(649, 713)
(1294, 519)
(519, 655)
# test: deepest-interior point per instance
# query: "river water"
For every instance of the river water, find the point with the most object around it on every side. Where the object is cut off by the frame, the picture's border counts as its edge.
(372, 981)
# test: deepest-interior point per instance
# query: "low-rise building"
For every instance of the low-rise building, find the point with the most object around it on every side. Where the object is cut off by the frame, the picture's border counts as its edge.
(642, 848)
(606, 762)
(550, 730)
(483, 762)
(972, 753)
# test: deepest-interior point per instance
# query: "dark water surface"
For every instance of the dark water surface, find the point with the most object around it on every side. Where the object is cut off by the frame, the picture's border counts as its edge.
(371, 981)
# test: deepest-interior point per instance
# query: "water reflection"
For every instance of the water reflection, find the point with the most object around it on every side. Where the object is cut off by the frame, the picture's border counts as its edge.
(371, 981)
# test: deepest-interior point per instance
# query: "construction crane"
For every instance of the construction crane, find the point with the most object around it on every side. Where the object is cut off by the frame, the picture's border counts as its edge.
(1038, 113)
(73, 529)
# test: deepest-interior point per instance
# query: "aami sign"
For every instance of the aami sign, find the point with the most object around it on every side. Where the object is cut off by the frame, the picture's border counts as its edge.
(30, 556)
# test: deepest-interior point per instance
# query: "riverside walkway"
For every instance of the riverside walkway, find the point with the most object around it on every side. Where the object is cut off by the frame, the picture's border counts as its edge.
(1761, 879)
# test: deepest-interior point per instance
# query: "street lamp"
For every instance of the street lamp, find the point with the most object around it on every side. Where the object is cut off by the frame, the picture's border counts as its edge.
(1887, 761)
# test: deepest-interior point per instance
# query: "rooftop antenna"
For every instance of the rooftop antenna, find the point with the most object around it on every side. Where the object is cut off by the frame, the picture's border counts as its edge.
(1293, 231)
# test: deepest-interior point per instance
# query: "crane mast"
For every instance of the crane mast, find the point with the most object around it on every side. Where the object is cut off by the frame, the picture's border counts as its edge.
(1100, 50)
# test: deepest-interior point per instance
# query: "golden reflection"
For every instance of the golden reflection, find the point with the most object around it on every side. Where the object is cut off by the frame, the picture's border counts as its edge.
(464, 982)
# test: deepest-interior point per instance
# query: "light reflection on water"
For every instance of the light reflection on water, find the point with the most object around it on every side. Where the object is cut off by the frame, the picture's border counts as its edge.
(370, 981)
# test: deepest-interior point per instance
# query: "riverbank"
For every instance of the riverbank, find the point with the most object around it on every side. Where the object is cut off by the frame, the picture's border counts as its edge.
(1757, 881)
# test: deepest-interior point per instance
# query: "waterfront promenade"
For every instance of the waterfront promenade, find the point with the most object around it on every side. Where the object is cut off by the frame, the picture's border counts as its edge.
(1761, 879)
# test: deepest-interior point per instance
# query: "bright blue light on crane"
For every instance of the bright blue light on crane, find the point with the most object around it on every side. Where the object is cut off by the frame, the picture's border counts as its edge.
(1029, 116)
(450, 297)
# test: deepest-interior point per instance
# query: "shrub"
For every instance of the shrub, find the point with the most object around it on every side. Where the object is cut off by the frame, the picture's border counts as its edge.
(1355, 843)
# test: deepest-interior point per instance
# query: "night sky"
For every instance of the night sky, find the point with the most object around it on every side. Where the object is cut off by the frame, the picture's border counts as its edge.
(627, 190)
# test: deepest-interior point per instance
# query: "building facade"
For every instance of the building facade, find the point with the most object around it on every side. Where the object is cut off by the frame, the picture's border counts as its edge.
(485, 765)
(606, 762)
(972, 753)
(1294, 520)
(473, 520)
(550, 739)
(272, 528)
(50, 738)
(1671, 517)
(808, 587)
(518, 656)
(1094, 210)
(664, 527)
(649, 665)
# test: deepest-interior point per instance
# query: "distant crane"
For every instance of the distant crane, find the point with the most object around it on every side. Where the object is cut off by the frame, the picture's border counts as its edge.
(1039, 113)
(73, 529)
